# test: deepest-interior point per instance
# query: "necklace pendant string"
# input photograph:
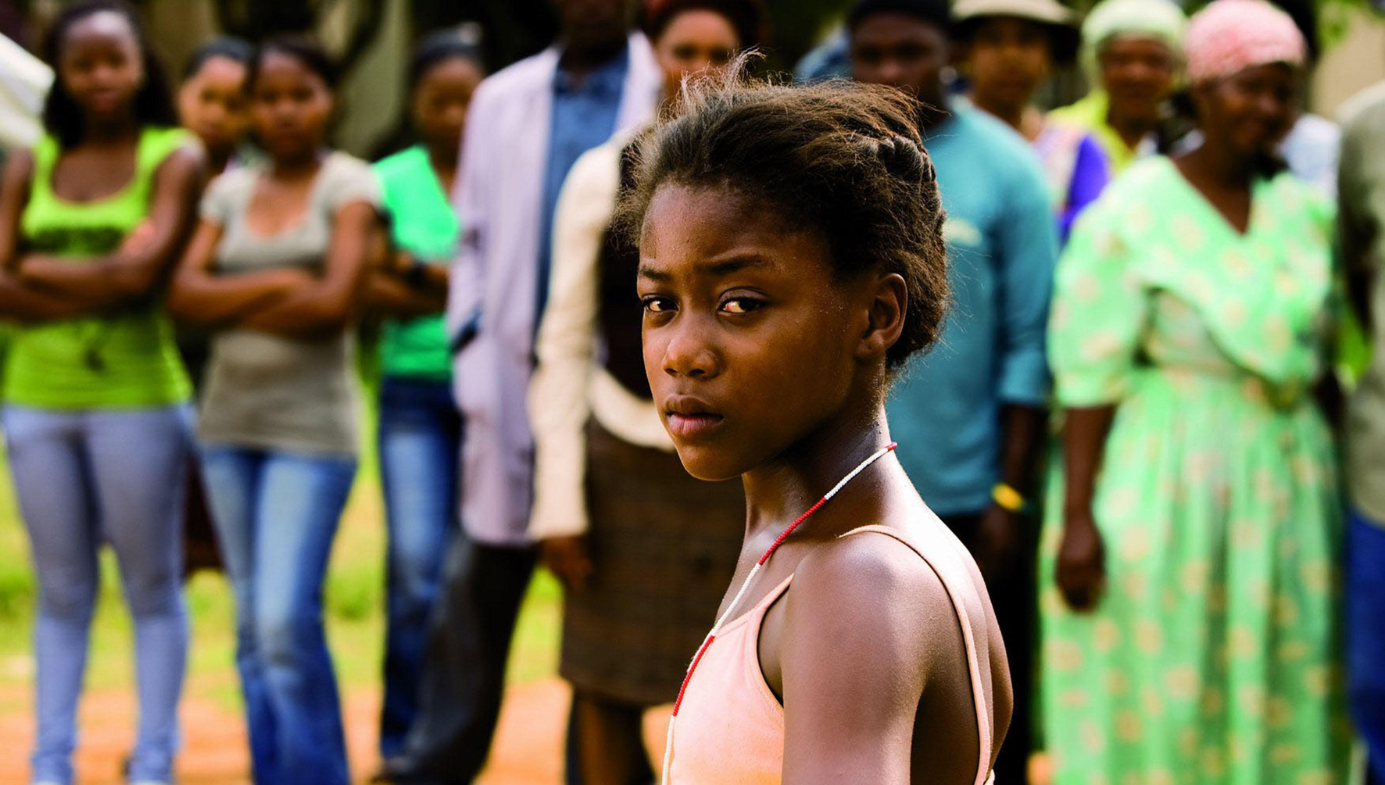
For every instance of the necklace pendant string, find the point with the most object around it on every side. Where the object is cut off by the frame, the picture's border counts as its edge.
(745, 586)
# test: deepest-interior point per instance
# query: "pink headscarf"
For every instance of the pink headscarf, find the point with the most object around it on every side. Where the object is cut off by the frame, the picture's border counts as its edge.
(1229, 36)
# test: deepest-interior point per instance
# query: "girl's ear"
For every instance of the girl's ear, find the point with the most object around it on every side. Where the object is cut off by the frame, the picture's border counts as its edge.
(889, 303)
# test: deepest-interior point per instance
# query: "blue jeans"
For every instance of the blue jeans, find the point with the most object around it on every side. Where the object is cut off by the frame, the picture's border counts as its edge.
(420, 457)
(83, 478)
(276, 514)
(1366, 638)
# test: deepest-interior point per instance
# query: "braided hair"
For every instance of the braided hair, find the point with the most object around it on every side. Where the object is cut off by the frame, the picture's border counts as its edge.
(841, 158)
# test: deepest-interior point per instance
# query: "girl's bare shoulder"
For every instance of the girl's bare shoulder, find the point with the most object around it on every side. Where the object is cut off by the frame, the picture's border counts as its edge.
(873, 582)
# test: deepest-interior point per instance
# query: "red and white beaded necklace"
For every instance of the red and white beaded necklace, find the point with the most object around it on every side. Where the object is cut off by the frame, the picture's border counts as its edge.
(745, 586)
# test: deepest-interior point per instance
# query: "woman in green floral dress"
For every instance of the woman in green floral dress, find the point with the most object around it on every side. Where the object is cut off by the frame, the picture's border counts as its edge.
(1189, 613)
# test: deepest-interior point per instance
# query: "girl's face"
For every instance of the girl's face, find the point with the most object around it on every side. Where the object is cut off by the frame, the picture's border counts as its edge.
(1251, 111)
(289, 106)
(750, 342)
(694, 41)
(1008, 58)
(212, 103)
(1137, 74)
(100, 64)
(441, 100)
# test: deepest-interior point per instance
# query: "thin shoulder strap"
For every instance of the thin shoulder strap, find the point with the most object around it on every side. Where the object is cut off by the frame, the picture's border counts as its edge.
(156, 144)
(45, 154)
(958, 591)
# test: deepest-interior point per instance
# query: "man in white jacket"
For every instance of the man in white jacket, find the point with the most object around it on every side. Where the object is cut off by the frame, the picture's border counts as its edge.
(527, 125)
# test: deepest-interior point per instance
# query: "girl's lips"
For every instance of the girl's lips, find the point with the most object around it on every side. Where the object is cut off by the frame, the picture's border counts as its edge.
(688, 427)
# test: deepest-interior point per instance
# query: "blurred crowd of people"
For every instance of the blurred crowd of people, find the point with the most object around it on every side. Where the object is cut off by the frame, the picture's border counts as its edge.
(1133, 419)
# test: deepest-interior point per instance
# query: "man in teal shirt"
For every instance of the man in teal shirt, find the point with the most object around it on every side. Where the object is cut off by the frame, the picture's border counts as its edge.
(969, 416)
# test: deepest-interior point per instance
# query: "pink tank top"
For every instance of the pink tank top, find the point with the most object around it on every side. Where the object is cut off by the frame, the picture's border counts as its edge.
(730, 727)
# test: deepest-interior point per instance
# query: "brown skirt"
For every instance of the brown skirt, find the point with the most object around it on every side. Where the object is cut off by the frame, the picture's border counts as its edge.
(664, 546)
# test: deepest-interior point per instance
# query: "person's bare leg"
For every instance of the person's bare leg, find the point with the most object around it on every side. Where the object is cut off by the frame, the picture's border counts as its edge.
(606, 744)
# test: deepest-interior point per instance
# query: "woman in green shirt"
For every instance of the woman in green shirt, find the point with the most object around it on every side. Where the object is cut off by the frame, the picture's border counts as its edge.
(1189, 614)
(95, 410)
(420, 428)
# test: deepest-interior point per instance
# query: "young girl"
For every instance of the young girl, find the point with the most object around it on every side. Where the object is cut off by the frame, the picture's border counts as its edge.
(212, 101)
(212, 104)
(420, 438)
(276, 268)
(791, 260)
(1009, 49)
(95, 399)
(643, 549)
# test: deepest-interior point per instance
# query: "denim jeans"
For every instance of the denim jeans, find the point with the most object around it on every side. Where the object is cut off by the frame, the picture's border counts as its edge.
(276, 515)
(83, 478)
(464, 675)
(1366, 638)
(420, 457)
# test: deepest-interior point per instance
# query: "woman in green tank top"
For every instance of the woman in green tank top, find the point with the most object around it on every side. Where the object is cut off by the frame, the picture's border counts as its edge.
(95, 399)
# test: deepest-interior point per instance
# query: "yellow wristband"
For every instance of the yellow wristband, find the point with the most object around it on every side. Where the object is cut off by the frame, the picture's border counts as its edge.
(1008, 498)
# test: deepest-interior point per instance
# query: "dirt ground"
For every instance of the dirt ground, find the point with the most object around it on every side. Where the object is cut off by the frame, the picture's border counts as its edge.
(527, 748)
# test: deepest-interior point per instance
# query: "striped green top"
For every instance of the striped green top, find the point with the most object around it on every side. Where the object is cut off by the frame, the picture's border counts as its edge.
(122, 359)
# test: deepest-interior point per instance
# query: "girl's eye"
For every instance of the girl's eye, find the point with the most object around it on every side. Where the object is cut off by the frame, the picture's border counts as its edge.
(741, 305)
(657, 304)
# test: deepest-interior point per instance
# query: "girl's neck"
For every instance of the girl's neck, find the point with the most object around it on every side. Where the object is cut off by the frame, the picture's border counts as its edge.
(296, 167)
(443, 158)
(110, 131)
(780, 490)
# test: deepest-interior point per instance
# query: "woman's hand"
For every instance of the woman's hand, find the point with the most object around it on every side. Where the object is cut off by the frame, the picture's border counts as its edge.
(999, 539)
(569, 559)
(139, 238)
(1081, 572)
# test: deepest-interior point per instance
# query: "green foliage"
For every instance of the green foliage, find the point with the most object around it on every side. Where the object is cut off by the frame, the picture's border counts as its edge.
(1335, 17)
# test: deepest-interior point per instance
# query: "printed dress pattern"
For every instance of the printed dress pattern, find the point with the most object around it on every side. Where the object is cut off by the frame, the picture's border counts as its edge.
(1211, 658)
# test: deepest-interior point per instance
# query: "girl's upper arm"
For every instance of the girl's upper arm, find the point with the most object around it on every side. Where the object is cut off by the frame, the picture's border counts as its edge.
(173, 205)
(14, 195)
(213, 210)
(184, 295)
(348, 255)
(855, 658)
(353, 200)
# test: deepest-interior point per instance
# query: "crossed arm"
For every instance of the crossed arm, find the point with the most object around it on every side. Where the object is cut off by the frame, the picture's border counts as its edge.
(290, 303)
(397, 288)
(34, 287)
